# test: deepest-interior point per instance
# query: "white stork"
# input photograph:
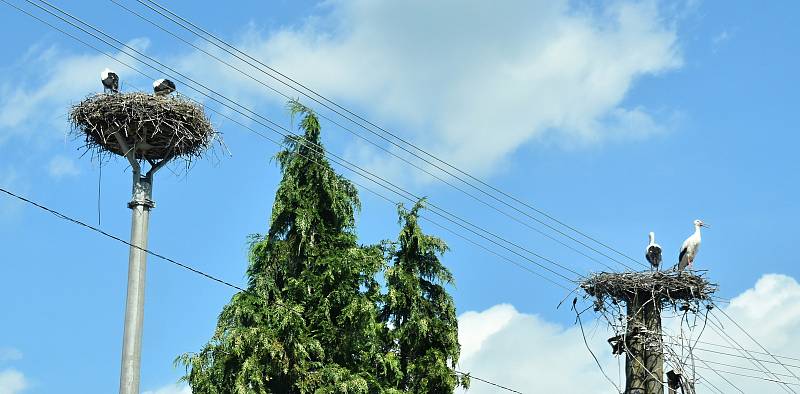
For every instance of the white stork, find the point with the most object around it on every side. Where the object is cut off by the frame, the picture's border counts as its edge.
(110, 81)
(163, 87)
(653, 252)
(690, 247)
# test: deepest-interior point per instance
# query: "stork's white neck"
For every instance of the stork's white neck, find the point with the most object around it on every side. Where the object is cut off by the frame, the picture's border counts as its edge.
(652, 237)
(697, 229)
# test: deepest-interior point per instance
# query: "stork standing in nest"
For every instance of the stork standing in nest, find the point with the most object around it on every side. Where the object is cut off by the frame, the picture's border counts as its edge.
(163, 87)
(690, 247)
(110, 81)
(653, 252)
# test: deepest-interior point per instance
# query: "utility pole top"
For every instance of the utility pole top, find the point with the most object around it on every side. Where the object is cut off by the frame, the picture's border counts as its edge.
(639, 336)
(145, 129)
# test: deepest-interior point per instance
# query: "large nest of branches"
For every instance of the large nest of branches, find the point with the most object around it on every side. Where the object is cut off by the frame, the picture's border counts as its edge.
(151, 127)
(664, 286)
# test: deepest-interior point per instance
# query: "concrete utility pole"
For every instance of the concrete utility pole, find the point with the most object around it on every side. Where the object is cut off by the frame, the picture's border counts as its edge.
(141, 204)
(643, 295)
(143, 128)
(644, 361)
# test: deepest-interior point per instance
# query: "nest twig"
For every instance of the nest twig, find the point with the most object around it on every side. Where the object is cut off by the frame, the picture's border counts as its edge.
(666, 287)
(152, 127)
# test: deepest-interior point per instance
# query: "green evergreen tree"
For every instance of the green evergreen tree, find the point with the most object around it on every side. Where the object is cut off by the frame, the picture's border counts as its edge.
(420, 314)
(308, 322)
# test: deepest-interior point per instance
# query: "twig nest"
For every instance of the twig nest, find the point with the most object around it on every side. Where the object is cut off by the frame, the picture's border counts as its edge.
(153, 127)
(664, 286)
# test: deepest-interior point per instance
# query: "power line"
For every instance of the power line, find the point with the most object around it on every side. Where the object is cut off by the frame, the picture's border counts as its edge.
(438, 177)
(756, 342)
(114, 237)
(725, 336)
(753, 351)
(678, 365)
(751, 376)
(267, 137)
(477, 230)
(720, 375)
(486, 381)
(702, 349)
(745, 368)
(230, 49)
(735, 348)
(745, 355)
(669, 352)
(200, 85)
(761, 367)
(187, 267)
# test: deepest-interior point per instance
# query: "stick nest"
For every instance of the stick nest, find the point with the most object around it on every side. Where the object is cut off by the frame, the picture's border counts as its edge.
(152, 127)
(664, 286)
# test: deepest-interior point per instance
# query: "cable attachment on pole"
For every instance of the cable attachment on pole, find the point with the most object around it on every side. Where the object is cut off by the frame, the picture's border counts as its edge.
(142, 192)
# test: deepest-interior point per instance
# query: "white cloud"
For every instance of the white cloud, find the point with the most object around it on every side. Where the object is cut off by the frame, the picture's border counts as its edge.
(529, 354)
(469, 81)
(476, 327)
(10, 354)
(62, 166)
(475, 80)
(526, 353)
(171, 389)
(12, 382)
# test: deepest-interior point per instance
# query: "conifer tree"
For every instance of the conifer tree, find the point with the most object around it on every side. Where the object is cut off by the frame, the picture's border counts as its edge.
(420, 314)
(308, 322)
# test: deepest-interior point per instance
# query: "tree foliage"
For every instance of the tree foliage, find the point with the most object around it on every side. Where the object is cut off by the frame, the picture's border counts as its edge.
(420, 312)
(313, 318)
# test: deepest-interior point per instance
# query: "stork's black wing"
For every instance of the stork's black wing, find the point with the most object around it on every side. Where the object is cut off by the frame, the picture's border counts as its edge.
(682, 260)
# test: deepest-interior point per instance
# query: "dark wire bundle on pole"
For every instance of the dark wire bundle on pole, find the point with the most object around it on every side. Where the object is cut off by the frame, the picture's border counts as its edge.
(147, 126)
(632, 303)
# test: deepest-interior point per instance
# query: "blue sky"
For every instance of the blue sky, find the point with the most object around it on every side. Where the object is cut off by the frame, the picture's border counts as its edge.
(617, 119)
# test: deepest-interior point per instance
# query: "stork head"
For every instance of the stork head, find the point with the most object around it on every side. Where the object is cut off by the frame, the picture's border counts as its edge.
(699, 223)
(104, 74)
(652, 237)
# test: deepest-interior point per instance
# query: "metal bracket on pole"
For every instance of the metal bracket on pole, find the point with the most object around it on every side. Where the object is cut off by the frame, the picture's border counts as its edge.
(142, 194)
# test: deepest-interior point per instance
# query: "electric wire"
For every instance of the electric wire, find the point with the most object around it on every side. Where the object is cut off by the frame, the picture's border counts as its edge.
(477, 230)
(322, 115)
(179, 264)
(280, 144)
(486, 381)
(702, 349)
(116, 238)
(756, 342)
(232, 50)
(732, 341)
(761, 367)
(670, 353)
(745, 355)
(751, 376)
(746, 368)
(201, 92)
(752, 351)
(721, 376)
